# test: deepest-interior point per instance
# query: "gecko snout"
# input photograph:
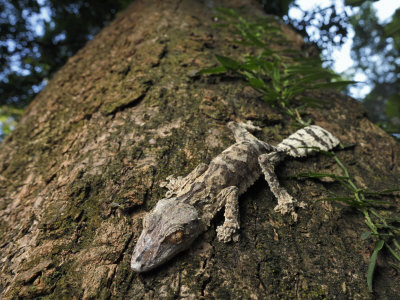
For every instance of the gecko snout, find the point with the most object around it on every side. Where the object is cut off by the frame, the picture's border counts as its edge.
(167, 230)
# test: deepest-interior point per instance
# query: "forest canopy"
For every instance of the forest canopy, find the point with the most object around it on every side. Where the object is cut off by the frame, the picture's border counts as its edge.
(38, 36)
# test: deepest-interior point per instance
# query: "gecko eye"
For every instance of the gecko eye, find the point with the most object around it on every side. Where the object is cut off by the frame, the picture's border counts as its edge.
(175, 237)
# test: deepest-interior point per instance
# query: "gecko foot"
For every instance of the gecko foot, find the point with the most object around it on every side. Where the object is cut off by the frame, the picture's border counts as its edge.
(226, 233)
(172, 184)
(286, 204)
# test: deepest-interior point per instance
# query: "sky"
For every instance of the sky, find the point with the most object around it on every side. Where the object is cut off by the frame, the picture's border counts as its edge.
(341, 56)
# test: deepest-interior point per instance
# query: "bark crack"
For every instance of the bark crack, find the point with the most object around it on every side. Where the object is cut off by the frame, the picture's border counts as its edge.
(259, 275)
(162, 54)
(131, 103)
(121, 255)
(206, 260)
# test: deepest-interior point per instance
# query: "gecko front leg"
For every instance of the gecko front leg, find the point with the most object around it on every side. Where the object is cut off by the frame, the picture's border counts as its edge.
(229, 197)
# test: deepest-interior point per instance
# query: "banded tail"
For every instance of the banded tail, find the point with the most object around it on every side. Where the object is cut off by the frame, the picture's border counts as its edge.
(300, 143)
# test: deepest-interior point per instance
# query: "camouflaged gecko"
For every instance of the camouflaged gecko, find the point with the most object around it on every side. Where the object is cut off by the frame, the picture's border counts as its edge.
(193, 201)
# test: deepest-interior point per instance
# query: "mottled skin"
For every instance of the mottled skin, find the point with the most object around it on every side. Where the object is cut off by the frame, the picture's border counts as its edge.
(193, 201)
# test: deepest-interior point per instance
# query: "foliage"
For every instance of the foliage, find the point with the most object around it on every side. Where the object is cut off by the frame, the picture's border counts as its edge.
(8, 119)
(281, 77)
(28, 57)
(375, 48)
(376, 51)
(332, 26)
(385, 230)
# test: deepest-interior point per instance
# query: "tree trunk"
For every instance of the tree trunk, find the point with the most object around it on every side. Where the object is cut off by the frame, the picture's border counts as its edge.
(85, 163)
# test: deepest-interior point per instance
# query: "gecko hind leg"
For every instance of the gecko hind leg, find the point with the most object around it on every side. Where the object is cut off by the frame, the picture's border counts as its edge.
(241, 131)
(249, 126)
(173, 184)
(286, 203)
(229, 197)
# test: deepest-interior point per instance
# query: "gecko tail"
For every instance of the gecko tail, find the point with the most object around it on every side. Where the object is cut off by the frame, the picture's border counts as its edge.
(305, 141)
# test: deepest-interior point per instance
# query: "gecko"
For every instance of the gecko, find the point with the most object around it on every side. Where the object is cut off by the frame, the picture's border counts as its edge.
(191, 202)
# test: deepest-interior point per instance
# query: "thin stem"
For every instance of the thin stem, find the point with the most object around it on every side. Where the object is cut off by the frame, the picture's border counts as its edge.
(393, 252)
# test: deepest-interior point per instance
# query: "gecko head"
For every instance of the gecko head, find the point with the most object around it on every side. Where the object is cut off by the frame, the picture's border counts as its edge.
(167, 230)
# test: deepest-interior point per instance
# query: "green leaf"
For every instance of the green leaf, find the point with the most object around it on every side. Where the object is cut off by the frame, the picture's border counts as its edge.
(268, 67)
(374, 201)
(303, 68)
(389, 191)
(251, 64)
(348, 200)
(397, 245)
(228, 63)
(313, 76)
(276, 74)
(374, 193)
(214, 70)
(295, 90)
(393, 252)
(318, 175)
(270, 96)
(257, 83)
(333, 85)
(365, 235)
(372, 263)
(252, 38)
(312, 101)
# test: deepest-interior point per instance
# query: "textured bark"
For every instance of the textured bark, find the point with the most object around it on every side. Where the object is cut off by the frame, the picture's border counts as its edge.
(86, 161)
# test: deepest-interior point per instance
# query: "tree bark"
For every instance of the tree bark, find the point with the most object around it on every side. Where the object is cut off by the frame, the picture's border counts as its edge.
(85, 163)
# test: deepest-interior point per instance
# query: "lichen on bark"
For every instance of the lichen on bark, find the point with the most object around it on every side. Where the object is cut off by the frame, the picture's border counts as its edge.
(85, 163)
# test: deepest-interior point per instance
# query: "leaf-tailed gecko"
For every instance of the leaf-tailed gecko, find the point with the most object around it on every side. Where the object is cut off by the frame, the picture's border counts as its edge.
(192, 201)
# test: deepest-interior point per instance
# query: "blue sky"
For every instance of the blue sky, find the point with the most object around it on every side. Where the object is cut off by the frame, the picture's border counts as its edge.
(341, 56)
